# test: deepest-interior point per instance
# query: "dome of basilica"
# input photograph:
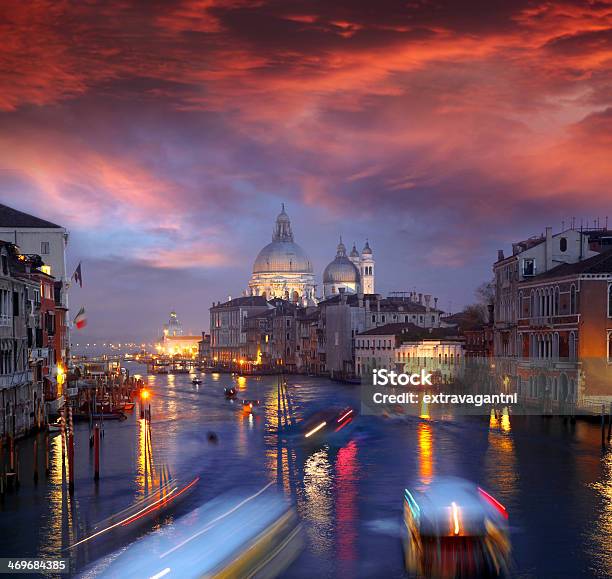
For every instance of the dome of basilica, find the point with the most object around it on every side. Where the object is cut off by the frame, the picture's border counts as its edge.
(283, 255)
(341, 270)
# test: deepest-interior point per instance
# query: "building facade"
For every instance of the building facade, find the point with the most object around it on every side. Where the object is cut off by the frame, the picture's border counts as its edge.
(228, 328)
(405, 347)
(21, 392)
(529, 258)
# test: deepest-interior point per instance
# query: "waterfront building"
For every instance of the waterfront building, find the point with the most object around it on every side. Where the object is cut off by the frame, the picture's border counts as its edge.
(22, 401)
(35, 236)
(228, 327)
(173, 327)
(282, 269)
(345, 315)
(405, 347)
(565, 316)
(181, 346)
(529, 258)
(204, 349)
(47, 352)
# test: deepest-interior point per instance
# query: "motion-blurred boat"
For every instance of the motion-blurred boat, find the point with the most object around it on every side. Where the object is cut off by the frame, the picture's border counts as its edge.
(234, 535)
(455, 529)
(157, 503)
(196, 381)
(230, 392)
(324, 426)
(248, 406)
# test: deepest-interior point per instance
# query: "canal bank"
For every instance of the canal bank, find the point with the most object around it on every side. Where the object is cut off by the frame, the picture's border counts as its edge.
(551, 475)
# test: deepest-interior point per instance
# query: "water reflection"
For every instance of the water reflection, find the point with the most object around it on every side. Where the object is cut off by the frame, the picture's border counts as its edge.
(59, 528)
(346, 505)
(318, 500)
(602, 530)
(145, 468)
(500, 460)
(425, 453)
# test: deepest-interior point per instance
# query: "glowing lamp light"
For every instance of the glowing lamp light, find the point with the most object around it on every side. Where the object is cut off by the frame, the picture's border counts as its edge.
(145, 394)
(61, 374)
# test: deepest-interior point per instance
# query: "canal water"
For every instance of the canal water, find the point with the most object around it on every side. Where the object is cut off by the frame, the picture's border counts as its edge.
(551, 475)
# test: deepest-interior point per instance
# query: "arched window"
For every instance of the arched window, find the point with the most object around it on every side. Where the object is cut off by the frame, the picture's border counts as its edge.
(610, 300)
(532, 304)
(557, 302)
(572, 346)
(563, 244)
(573, 308)
(609, 347)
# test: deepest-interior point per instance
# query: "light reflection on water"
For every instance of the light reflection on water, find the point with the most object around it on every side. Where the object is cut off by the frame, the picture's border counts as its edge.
(553, 479)
(317, 507)
(425, 438)
(601, 550)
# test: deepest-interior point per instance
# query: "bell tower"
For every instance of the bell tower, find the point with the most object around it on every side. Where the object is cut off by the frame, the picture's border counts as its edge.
(366, 268)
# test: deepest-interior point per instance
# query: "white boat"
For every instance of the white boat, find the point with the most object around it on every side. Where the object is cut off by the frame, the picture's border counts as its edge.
(235, 535)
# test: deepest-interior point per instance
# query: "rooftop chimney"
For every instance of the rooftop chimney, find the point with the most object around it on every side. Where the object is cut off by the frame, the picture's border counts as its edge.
(500, 254)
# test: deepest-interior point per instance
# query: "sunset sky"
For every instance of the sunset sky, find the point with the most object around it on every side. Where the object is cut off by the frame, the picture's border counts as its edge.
(165, 136)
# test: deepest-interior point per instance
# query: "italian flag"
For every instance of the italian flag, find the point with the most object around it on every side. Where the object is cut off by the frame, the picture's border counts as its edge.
(80, 321)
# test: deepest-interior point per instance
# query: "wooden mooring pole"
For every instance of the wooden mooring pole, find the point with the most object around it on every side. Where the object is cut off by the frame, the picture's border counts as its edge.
(36, 460)
(97, 452)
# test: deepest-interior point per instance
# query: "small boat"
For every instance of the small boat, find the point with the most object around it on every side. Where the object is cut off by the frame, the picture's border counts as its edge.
(128, 406)
(196, 381)
(324, 426)
(230, 392)
(248, 406)
(155, 505)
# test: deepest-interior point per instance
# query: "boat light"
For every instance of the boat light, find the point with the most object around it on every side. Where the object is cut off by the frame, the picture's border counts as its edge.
(414, 507)
(315, 429)
(493, 502)
(345, 415)
(455, 511)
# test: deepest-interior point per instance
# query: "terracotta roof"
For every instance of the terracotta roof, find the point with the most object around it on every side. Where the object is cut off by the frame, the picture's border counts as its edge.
(10, 217)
